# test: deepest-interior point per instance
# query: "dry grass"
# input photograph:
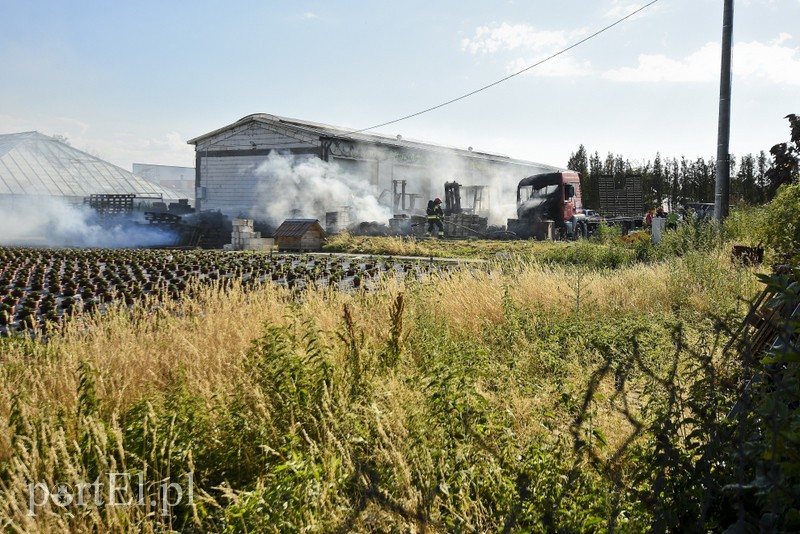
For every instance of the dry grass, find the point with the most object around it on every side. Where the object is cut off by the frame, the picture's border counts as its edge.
(704, 285)
(203, 343)
(463, 248)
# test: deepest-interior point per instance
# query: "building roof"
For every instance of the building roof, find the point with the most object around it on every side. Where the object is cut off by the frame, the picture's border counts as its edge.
(35, 164)
(319, 130)
(298, 227)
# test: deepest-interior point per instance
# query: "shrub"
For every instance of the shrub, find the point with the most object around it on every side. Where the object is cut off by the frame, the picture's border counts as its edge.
(782, 224)
(592, 255)
(703, 235)
(607, 233)
(747, 225)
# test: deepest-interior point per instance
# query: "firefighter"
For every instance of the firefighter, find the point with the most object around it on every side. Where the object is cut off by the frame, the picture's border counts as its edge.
(435, 216)
(673, 219)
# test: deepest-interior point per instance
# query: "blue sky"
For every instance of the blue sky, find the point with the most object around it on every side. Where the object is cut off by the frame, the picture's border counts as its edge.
(133, 81)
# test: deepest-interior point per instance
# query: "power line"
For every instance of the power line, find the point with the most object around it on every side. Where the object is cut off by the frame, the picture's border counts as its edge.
(526, 69)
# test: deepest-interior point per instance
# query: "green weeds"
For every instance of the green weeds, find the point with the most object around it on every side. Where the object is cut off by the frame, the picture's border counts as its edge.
(384, 412)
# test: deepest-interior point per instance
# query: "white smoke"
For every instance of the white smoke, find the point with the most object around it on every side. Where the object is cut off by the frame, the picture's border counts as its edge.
(50, 221)
(499, 201)
(294, 186)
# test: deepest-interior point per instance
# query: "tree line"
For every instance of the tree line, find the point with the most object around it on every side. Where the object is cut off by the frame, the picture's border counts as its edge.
(672, 182)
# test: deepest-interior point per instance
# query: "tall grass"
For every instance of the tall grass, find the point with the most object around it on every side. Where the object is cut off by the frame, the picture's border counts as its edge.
(445, 405)
(412, 246)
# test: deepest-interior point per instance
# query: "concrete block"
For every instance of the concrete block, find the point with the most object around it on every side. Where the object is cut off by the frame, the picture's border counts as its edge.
(245, 223)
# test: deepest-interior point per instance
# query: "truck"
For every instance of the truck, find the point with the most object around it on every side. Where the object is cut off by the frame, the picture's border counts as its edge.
(550, 206)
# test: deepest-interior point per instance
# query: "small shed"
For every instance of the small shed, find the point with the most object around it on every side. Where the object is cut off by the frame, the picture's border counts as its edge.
(299, 235)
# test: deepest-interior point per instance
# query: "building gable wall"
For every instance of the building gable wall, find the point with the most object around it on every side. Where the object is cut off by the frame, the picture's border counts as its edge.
(256, 135)
(226, 164)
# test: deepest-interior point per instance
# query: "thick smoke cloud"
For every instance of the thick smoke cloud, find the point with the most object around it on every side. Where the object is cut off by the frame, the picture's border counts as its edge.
(292, 187)
(54, 222)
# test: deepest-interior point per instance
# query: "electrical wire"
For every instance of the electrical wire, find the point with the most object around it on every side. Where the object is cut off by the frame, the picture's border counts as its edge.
(526, 69)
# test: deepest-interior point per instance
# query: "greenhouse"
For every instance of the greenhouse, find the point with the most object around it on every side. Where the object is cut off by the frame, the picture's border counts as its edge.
(36, 165)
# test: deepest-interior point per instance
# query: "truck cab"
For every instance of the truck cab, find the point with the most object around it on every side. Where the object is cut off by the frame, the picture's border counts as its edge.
(549, 206)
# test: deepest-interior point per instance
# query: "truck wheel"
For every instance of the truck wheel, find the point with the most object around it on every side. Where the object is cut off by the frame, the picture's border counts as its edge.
(580, 230)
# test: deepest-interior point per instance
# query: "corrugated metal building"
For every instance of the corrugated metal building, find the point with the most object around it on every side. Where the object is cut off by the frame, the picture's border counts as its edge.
(227, 160)
(34, 165)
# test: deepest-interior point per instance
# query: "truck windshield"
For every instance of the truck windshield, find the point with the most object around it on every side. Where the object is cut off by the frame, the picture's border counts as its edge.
(532, 195)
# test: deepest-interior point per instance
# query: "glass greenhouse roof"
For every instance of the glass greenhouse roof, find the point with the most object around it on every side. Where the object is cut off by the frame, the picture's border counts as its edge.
(35, 164)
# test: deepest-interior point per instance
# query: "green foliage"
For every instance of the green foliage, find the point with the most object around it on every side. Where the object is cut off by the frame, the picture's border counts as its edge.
(289, 462)
(544, 420)
(705, 466)
(770, 420)
(88, 435)
(786, 157)
(294, 375)
(357, 364)
(160, 440)
(704, 236)
(87, 398)
(782, 228)
(746, 225)
(286, 498)
(607, 234)
(592, 255)
(391, 356)
(411, 246)
(679, 181)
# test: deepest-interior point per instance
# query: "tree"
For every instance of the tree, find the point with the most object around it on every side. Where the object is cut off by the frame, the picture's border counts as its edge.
(579, 162)
(593, 189)
(782, 228)
(706, 177)
(743, 183)
(754, 179)
(648, 186)
(657, 181)
(762, 165)
(688, 184)
(785, 157)
(617, 166)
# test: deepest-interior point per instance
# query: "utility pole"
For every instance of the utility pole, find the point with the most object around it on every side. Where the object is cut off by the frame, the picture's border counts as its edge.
(723, 183)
